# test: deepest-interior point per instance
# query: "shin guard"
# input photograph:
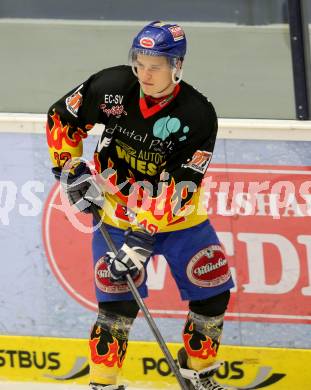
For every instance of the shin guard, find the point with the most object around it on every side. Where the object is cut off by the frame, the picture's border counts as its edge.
(201, 338)
(108, 344)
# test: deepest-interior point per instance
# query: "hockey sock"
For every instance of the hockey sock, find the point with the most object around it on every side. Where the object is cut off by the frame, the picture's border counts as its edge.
(108, 344)
(201, 338)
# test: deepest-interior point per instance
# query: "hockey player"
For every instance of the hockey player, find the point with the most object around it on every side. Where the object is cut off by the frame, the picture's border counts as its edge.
(158, 136)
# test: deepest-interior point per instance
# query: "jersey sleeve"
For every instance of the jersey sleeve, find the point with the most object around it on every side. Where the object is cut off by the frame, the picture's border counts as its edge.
(69, 120)
(185, 169)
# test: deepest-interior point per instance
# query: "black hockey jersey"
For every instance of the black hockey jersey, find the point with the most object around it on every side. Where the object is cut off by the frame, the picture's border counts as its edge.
(151, 162)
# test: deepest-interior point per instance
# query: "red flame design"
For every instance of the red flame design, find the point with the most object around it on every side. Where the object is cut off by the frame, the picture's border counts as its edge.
(163, 204)
(110, 358)
(58, 135)
(204, 352)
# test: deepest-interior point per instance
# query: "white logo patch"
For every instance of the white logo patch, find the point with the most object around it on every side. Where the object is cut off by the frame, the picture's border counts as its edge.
(74, 101)
(199, 161)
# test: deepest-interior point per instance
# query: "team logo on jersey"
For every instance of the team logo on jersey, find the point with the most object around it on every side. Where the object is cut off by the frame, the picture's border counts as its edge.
(128, 149)
(113, 99)
(74, 101)
(199, 162)
(166, 126)
(147, 42)
(116, 111)
(209, 267)
(177, 33)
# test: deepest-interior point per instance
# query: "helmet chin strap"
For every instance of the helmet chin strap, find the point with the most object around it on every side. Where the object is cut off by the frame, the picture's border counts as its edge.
(176, 79)
(134, 70)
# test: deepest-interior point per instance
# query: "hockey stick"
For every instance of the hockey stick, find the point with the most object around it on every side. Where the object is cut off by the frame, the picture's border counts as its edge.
(141, 304)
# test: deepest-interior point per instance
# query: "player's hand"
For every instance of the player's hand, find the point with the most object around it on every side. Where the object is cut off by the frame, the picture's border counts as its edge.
(132, 255)
(80, 187)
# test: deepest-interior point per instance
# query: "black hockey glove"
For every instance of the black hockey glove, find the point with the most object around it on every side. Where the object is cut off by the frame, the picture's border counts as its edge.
(132, 255)
(80, 187)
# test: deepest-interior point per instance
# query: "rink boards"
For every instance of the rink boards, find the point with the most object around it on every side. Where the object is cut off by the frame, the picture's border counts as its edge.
(59, 360)
(267, 308)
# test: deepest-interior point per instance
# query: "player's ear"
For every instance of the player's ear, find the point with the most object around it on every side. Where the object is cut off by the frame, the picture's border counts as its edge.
(179, 64)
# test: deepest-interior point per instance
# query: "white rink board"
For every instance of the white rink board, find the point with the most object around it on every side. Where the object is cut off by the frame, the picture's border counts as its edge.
(248, 129)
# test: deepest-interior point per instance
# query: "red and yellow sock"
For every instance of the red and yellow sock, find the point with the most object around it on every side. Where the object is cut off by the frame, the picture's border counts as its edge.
(201, 338)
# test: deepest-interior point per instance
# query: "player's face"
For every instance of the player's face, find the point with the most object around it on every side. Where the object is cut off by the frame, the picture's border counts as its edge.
(154, 75)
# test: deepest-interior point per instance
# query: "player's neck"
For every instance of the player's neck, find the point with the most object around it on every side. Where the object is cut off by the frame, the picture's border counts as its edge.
(165, 92)
(151, 100)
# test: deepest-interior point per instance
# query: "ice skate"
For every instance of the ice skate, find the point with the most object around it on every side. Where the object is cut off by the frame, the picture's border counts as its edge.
(95, 386)
(199, 380)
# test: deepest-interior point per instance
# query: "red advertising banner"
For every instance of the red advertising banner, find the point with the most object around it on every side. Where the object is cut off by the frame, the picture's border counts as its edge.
(262, 216)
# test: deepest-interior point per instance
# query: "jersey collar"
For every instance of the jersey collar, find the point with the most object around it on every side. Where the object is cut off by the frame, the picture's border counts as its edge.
(149, 111)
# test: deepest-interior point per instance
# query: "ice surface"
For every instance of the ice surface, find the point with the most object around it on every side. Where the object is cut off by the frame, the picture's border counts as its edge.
(50, 386)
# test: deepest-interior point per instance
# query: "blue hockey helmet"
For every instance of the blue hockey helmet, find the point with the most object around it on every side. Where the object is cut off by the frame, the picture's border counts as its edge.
(160, 39)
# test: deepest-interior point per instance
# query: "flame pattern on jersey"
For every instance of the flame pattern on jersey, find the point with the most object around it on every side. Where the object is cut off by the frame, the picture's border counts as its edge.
(63, 141)
(164, 208)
